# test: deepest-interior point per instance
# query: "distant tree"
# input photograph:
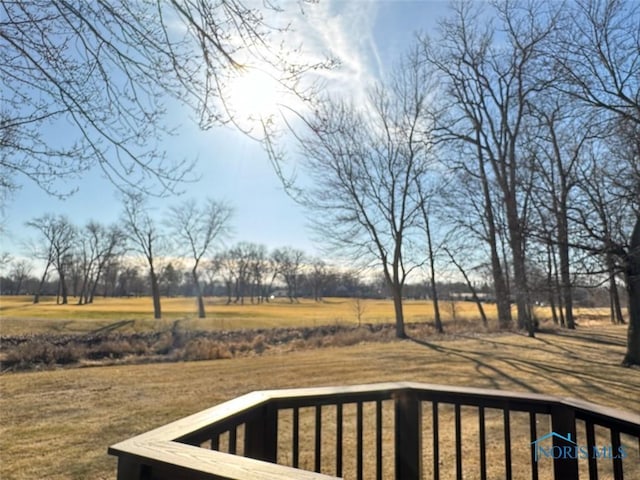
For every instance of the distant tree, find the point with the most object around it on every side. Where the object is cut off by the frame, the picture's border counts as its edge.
(144, 237)
(196, 229)
(169, 280)
(57, 237)
(225, 265)
(319, 277)
(240, 257)
(98, 245)
(258, 266)
(289, 265)
(19, 273)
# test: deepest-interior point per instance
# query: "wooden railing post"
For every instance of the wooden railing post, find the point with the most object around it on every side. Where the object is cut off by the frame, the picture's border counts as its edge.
(408, 435)
(128, 469)
(563, 422)
(261, 435)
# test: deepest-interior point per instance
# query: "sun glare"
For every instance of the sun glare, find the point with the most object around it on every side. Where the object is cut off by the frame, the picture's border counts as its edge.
(254, 96)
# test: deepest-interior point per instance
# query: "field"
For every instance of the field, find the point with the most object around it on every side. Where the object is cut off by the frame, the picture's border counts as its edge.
(58, 424)
(19, 315)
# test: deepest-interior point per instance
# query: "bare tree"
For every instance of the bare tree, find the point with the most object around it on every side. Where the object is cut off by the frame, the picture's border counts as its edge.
(470, 286)
(562, 133)
(19, 273)
(597, 58)
(289, 266)
(196, 230)
(319, 278)
(57, 241)
(97, 245)
(431, 254)
(144, 237)
(365, 163)
(109, 69)
(488, 85)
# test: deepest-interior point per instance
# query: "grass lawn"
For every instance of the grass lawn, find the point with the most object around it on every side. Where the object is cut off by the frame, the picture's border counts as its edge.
(18, 315)
(58, 424)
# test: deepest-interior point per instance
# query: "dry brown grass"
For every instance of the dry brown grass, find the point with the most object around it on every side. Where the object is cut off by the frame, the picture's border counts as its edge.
(19, 316)
(58, 424)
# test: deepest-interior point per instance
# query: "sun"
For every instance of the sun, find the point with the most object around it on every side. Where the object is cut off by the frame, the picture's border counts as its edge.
(254, 96)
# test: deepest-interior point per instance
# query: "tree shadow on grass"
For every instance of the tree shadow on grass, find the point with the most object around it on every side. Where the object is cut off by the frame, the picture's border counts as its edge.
(575, 372)
(480, 365)
(113, 326)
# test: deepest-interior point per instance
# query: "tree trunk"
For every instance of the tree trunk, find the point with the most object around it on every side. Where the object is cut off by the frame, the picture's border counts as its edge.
(565, 272)
(432, 272)
(196, 282)
(500, 286)
(36, 297)
(63, 289)
(519, 270)
(632, 277)
(614, 297)
(396, 291)
(155, 292)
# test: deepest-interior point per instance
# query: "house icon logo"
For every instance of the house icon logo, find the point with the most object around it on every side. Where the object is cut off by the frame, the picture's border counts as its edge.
(560, 452)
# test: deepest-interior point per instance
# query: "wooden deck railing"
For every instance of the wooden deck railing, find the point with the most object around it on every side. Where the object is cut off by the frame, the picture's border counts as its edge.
(404, 431)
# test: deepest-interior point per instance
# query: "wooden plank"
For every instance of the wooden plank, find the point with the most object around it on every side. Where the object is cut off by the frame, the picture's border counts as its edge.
(201, 463)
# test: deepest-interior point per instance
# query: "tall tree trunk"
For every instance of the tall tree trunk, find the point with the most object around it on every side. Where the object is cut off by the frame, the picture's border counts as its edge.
(551, 298)
(614, 296)
(432, 272)
(632, 277)
(63, 289)
(36, 297)
(565, 272)
(155, 293)
(521, 291)
(500, 286)
(196, 282)
(396, 292)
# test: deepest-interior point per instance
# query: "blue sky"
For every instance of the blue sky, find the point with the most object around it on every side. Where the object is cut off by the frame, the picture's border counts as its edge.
(367, 36)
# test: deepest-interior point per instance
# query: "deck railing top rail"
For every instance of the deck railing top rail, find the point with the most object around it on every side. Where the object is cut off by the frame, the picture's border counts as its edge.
(174, 447)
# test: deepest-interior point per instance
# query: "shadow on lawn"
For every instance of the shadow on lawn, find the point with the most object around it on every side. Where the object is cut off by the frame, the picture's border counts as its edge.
(573, 370)
(113, 326)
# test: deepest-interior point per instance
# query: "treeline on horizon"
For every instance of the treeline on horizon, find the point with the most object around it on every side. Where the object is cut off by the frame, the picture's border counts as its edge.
(243, 273)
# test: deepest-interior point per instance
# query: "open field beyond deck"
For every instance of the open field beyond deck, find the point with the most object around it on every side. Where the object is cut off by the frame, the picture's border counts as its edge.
(58, 424)
(20, 316)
